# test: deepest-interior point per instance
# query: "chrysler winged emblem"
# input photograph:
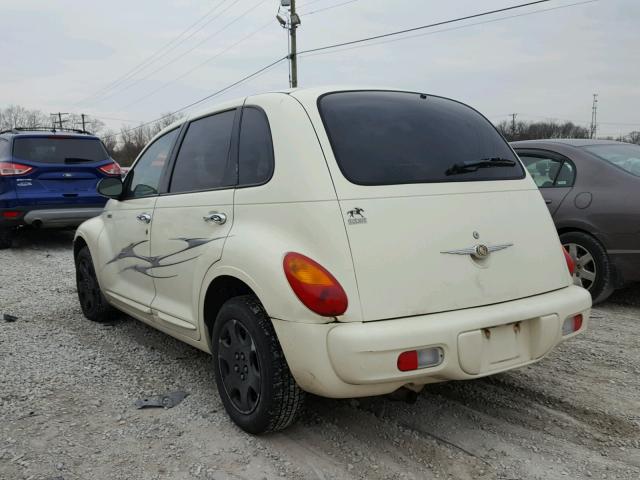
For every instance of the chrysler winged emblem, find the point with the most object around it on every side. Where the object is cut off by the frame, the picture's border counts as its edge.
(479, 251)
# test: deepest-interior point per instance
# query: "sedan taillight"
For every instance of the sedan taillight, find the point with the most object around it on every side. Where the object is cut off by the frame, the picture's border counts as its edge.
(571, 265)
(11, 169)
(112, 169)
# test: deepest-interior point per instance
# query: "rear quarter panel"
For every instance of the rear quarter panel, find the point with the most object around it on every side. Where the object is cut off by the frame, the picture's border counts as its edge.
(296, 210)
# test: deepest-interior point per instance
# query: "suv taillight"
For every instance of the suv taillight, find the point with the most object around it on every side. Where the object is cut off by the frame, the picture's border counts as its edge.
(112, 169)
(10, 169)
(571, 265)
(316, 288)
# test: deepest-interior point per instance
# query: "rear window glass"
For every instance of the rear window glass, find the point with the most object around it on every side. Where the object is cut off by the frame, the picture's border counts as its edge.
(59, 150)
(386, 138)
(625, 156)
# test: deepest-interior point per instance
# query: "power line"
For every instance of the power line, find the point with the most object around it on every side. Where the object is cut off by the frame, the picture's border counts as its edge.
(507, 17)
(153, 57)
(330, 7)
(200, 65)
(181, 55)
(422, 27)
(203, 99)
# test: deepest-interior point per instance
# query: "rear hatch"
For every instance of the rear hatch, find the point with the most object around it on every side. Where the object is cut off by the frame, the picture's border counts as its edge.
(439, 212)
(65, 169)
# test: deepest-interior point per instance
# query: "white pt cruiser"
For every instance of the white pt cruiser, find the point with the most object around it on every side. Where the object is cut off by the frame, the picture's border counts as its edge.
(347, 243)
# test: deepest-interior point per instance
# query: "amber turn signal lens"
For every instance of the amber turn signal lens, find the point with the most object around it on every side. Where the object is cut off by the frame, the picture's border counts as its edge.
(314, 286)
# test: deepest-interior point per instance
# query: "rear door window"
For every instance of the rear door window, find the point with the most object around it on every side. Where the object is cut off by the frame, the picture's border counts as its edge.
(203, 162)
(549, 172)
(386, 138)
(255, 162)
(59, 149)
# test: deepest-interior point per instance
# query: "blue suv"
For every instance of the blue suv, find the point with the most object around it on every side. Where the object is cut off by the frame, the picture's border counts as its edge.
(48, 178)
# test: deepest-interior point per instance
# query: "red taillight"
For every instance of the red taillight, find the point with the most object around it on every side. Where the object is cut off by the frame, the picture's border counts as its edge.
(572, 324)
(9, 169)
(316, 288)
(571, 265)
(423, 358)
(10, 214)
(408, 361)
(111, 169)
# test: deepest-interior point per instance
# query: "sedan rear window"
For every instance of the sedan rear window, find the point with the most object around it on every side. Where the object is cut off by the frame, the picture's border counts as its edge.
(59, 149)
(387, 138)
(623, 155)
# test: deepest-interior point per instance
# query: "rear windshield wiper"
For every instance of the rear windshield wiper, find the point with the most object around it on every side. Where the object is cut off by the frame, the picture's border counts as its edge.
(466, 167)
(76, 160)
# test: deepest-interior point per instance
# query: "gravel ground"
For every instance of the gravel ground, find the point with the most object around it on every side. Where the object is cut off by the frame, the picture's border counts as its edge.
(68, 386)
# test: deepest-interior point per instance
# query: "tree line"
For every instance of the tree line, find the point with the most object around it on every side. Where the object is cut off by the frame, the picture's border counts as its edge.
(125, 145)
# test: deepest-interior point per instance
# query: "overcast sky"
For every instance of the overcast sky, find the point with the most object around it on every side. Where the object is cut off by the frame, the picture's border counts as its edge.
(56, 55)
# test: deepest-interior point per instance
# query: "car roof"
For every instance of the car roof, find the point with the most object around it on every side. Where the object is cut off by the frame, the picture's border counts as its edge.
(302, 94)
(572, 142)
(46, 133)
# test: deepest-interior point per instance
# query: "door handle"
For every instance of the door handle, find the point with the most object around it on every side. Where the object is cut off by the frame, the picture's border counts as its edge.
(215, 217)
(144, 218)
(548, 202)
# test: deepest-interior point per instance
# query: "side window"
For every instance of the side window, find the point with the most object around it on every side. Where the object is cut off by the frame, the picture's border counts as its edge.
(544, 170)
(255, 154)
(566, 175)
(203, 161)
(144, 179)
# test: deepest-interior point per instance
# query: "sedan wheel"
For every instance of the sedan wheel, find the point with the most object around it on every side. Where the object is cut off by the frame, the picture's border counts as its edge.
(594, 271)
(586, 270)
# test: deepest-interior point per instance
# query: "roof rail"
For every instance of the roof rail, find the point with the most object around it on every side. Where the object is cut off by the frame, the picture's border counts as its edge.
(44, 129)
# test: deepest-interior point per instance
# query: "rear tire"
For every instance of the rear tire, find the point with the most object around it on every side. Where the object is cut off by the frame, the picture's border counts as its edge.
(593, 267)
(252, 375)
(6, 237)
(92, 301)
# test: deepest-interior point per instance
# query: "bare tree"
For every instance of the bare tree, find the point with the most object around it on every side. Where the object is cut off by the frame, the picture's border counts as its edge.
(126, 145)
(15, 116)
(537, 130)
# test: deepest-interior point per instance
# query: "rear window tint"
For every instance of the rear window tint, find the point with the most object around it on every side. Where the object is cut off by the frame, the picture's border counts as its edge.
(623, 155)
(386, 138)
(203, 161)
(59, 150)
(4, 148)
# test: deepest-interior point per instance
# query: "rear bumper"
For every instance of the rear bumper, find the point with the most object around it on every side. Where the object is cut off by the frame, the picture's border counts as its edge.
(49, 217)
(360, 359)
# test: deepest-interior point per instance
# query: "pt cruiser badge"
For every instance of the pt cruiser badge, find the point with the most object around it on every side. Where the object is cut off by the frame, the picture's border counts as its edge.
(356, 216)
(479, 251)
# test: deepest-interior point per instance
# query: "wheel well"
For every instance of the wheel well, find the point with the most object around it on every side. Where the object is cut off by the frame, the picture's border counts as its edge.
(564, 230)
(219, 291)
(78, 245)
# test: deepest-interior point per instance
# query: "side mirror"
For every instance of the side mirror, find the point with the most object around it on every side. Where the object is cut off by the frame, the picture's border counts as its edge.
(110, 187)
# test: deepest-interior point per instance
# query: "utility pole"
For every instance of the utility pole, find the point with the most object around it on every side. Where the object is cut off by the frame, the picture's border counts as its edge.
(513, 125)
(291, 23)
(83, 129)
(60, 121)
(594, 116)
(292, 54)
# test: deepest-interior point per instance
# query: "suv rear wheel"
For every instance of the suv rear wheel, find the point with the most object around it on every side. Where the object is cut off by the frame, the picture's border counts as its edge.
(92, 301)
(252, 375)
(593, 268)
(6, 237)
